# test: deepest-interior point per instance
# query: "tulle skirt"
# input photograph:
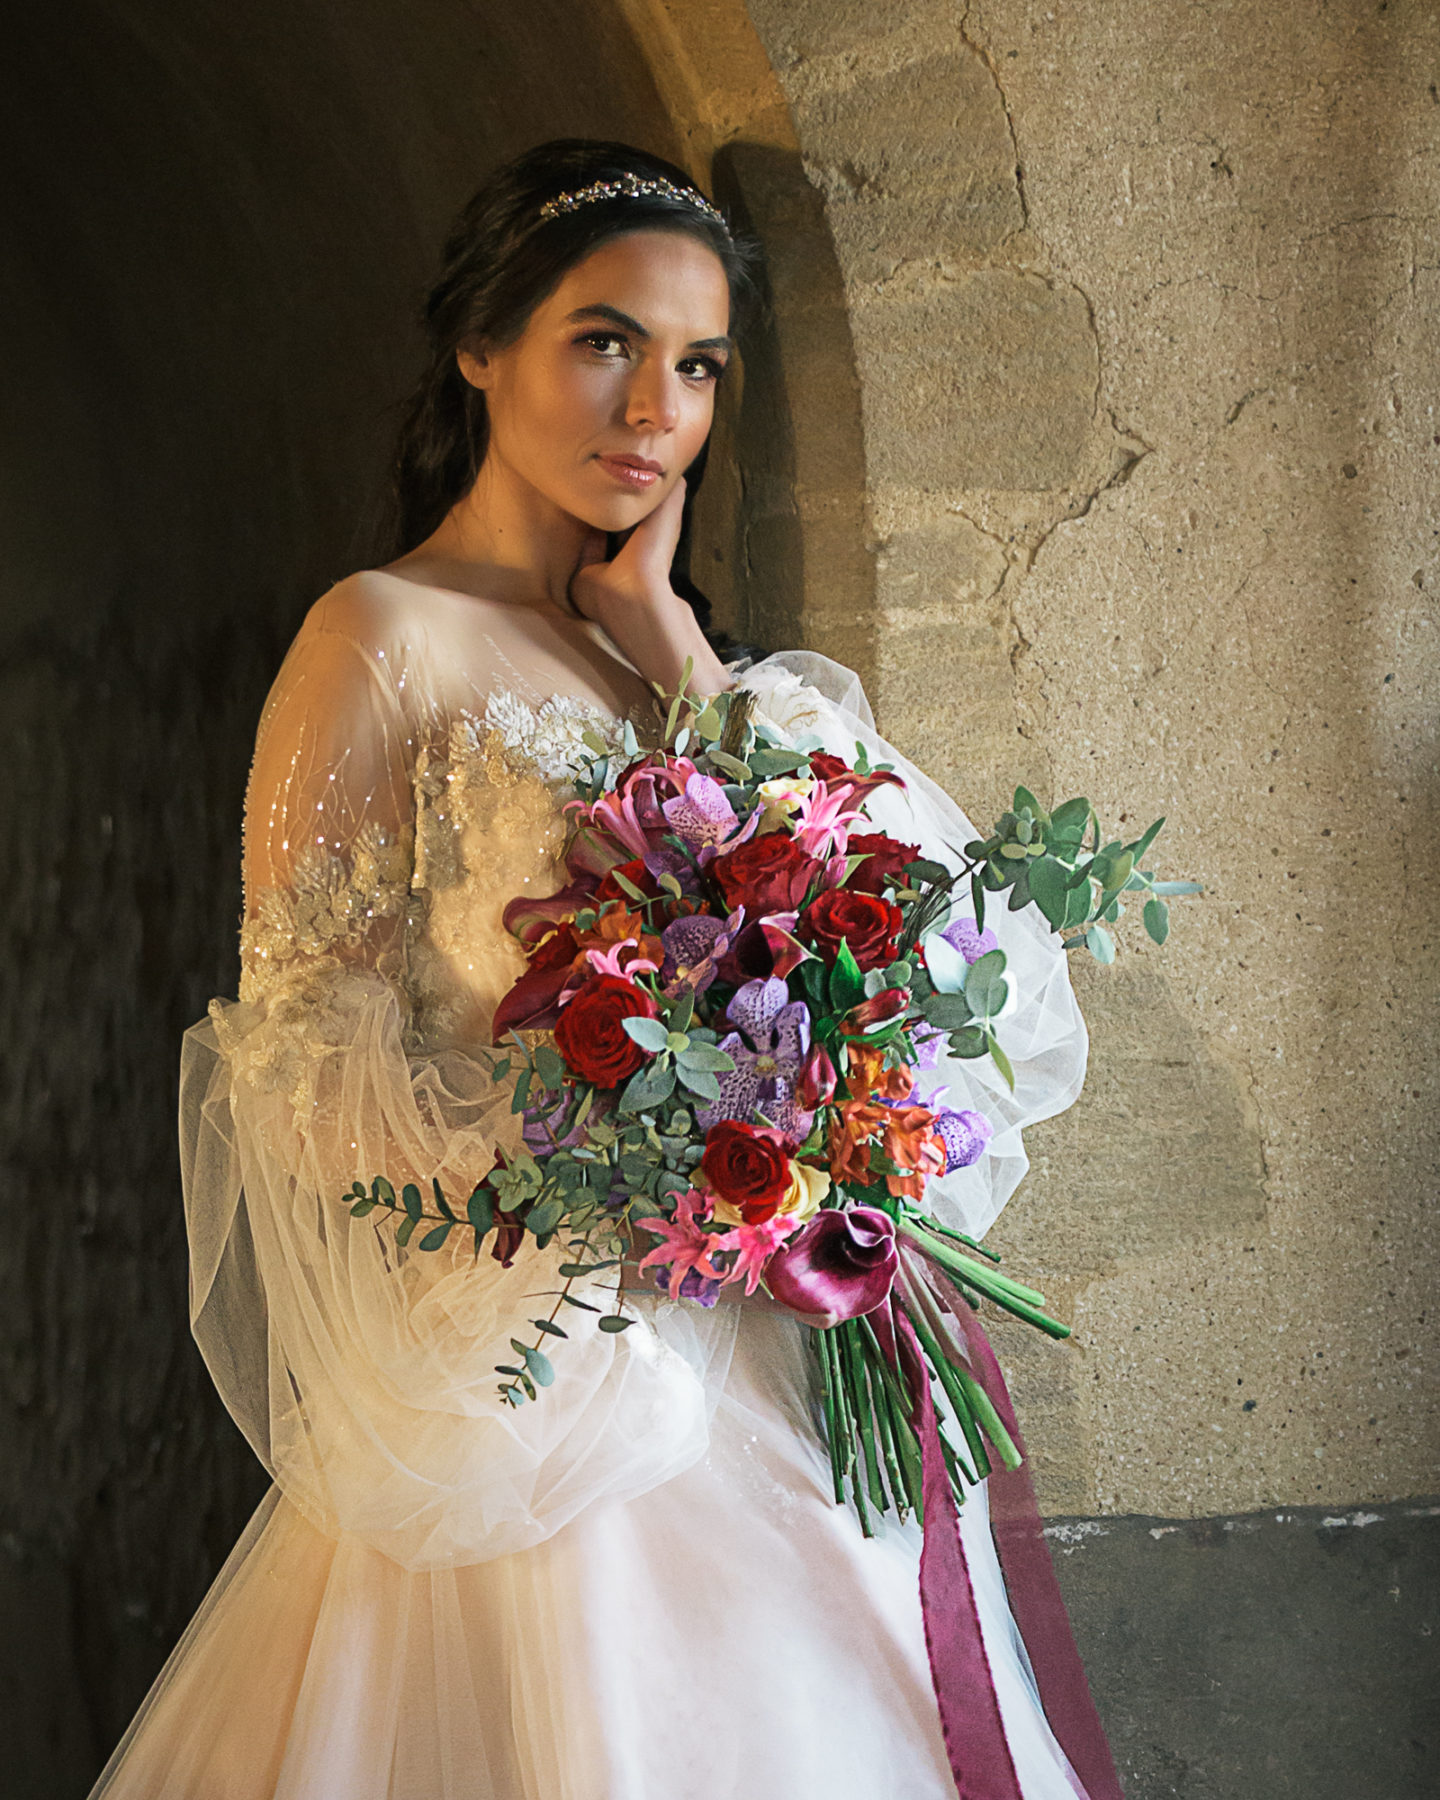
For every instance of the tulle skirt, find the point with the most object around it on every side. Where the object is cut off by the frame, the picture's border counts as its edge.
(730, 1633)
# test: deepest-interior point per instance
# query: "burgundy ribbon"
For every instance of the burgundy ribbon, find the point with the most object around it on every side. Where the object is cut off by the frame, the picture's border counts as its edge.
(974, 1732)
(1035, 1597)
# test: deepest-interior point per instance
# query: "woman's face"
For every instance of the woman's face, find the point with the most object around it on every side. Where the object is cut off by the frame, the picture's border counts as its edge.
(607, 396)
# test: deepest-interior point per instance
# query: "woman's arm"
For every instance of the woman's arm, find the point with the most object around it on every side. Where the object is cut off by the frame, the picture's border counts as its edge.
(632, 599)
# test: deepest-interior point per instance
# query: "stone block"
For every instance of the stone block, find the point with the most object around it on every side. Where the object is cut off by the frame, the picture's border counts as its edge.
(917, 162)
(988, 381)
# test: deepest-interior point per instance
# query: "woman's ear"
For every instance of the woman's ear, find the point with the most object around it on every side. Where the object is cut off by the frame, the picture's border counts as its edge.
(475, 364)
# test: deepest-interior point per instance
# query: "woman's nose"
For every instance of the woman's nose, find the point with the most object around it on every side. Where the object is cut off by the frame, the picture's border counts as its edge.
(653, 402)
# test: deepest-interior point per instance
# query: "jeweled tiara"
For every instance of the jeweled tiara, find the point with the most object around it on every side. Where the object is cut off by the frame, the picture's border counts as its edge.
(630, 187)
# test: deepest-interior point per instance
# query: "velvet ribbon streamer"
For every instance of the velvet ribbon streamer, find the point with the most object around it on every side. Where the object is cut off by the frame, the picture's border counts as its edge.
(974, 1733)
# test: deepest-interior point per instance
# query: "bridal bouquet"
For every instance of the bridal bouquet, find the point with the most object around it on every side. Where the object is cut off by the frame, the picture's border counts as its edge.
(724, 1050)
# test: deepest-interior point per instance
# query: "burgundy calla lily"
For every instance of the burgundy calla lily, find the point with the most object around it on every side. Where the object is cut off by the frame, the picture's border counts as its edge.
(837, 1267)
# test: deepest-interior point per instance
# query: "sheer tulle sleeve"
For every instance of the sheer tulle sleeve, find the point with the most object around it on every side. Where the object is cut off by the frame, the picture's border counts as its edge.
(810, 700)
(363, 1374)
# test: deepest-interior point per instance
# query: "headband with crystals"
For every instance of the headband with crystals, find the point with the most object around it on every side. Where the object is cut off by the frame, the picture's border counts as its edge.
(631, 187)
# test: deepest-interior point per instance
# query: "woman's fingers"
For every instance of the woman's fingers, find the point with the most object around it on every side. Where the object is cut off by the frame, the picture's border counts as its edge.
(650, 548)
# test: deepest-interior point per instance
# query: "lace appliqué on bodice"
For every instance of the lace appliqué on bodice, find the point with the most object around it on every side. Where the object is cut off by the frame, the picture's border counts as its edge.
(421, 905)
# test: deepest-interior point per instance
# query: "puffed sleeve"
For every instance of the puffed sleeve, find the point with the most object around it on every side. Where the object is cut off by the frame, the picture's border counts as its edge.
(809, 701)
(363, 1373)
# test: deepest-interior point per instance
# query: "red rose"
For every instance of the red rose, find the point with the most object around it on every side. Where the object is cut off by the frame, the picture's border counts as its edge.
(867, 923)
(746, 1166)
(590, 1033)
(770, 874)
(884, 859)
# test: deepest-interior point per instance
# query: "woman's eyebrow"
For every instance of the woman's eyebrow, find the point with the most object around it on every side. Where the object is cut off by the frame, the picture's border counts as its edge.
(613, 316)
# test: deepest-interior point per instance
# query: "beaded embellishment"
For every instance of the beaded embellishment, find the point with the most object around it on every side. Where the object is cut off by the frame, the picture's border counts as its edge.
(630, 187)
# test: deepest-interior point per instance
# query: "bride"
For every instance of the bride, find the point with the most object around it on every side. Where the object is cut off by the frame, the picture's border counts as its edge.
(639, 1588)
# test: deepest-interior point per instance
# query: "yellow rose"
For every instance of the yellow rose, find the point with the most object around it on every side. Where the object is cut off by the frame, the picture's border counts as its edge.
(781, 799)
(802, 1198)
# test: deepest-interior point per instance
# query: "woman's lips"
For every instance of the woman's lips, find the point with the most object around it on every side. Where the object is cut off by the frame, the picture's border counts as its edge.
(635, 474)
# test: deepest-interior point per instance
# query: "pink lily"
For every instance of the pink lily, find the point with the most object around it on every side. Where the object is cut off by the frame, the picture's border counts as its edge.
(822, 821)
(754, 1245)
(607, 962)
(686, 1245)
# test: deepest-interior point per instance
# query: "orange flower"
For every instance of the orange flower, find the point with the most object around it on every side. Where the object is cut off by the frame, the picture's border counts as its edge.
(911, 1142)
(850, 1135)
(621, 927)
(867, 1075)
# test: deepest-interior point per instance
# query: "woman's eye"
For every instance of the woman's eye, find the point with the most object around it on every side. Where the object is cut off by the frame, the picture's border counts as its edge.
(702, 368)
(604, 343)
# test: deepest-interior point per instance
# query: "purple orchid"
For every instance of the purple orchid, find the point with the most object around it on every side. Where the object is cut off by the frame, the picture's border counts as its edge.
(768, 1065)
(693, 947)
(703, 818)
(692, 1287)
(971, 944)
(965, 1135)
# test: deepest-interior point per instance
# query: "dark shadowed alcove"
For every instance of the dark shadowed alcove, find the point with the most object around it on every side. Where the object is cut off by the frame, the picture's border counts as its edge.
(217, 224)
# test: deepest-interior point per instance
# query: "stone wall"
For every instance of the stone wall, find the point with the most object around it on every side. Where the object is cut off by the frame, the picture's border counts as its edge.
(1144, 302)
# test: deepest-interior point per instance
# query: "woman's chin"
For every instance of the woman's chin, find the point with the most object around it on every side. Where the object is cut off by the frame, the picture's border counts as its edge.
(615, 512)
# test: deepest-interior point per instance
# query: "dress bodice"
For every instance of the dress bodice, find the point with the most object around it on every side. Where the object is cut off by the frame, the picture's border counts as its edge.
(409, 780)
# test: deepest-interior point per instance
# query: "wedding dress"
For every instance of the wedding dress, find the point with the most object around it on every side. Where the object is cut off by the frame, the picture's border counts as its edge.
(640, 1586)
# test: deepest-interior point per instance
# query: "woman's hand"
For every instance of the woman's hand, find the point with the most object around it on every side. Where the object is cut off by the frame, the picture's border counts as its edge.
(631, 598)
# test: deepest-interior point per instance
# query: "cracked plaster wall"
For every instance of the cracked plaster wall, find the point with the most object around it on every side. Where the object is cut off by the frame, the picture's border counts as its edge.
(1141, 299)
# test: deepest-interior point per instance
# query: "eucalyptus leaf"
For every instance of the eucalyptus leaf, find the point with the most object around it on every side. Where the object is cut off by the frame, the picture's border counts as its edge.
(700, 1082)
(539, 1365)
(550, 1066)
(406, 1231)
(435, 1240)
(947, 1012)
(1000, 1060)
(441, 1202)
(968, 1042)
(923, 869)
(614, 1322)
(1143, 843)
(708, 1057)
(383, 1191)
(1100, 944)
(361, 1207)
(1077, 904)
(986, 989)
(649, 1088)
(480, 1210)
(546, 1216)
(1157, 920)
(649, 1034)
(732, 765)
(1050, 889)
(769, 764)
(584, 1305)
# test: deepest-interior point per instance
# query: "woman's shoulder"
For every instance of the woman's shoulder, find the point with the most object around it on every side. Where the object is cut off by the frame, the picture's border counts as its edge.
(370, 609)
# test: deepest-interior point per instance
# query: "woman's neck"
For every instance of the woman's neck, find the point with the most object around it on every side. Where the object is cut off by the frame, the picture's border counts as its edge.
(503, 541)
